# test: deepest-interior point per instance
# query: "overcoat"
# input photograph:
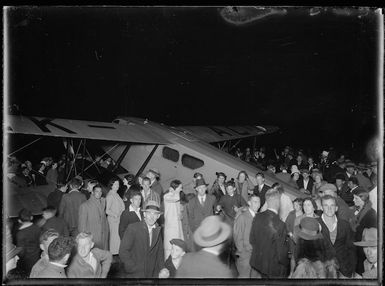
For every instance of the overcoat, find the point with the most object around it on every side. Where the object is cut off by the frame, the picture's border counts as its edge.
(81, 269)
(92, 218)
(196, 212)
(139, 258)
(268, 236)
(202, 264)
(69, 209)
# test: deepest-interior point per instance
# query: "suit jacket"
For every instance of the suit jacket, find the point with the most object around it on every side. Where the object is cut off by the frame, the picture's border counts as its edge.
(69, 208)
(196, 212)
(56, 223)
(216, 191)
(343, 248)
(52, 271)
(127, 217)
(54, 198)
(202, 264)
(139, 258)
(309, 186)
(157, 188)
(261, 193)
(242, 227)
(268, 236)
(81, 269)
(28, 239)
(92, 218)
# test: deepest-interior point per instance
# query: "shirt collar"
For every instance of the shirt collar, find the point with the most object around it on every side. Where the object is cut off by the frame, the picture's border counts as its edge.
(252, 212)
(58, 264)
(25, 225)
(273, 210)
(209, 250)
(131, 209)
(334, 224)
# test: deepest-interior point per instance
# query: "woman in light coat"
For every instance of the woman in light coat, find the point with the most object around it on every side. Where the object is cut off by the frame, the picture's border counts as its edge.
(114, 208)
(172, 216)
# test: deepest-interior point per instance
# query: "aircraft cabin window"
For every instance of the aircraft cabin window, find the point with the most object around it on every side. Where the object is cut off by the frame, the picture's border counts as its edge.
(170, 154)
(191, 162)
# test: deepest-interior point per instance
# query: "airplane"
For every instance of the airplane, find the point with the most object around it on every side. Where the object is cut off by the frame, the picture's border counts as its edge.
(139, 144)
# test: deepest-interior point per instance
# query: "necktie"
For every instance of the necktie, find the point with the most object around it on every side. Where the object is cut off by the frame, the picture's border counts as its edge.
(150, 232)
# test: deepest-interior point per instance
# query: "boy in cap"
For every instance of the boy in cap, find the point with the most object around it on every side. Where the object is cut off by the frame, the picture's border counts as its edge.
(178, 250)
(211, 235)
(369, 243)
(141, 249)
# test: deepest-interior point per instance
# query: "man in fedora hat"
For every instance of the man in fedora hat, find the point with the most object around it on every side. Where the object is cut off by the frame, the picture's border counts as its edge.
(369, 243)
(268, 237)
(141, 249)
(201, 206)
(153, 174)
(211, 236)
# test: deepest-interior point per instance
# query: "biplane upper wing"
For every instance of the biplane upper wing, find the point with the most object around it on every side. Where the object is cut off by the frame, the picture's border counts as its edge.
(212, 134)
(81, 129)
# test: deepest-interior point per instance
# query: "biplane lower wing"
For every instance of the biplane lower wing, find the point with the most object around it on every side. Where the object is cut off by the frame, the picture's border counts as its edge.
(212, 134)
(81, 129)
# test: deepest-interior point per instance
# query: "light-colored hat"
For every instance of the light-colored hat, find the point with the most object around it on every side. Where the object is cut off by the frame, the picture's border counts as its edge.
(155, 172)
(294, 169)
(152, 205)
(211, 232)
(328, 187)
(309, 229)
(369, 238)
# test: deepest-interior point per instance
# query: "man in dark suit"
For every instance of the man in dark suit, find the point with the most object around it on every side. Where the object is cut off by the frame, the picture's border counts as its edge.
(141, 249)
(268, 237)
(69, 206)
(338, 234)
(54, 198)
(260, 189)
(51, 221)
(201, 206)
(154, 175)
(211, 235)
(132, 214)
(306, 182)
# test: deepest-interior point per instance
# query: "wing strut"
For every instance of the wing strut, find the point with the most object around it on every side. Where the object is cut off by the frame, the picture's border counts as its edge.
(121, 157)
(146, 161)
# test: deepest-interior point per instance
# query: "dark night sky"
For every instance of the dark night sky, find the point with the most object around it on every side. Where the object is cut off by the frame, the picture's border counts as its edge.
(313, 76)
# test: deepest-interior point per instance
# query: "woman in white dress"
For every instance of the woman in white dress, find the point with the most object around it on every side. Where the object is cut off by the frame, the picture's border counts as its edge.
(114, 208)
(172, 215)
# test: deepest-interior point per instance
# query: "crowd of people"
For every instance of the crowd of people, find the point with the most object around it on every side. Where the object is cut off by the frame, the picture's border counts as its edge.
(235, 228)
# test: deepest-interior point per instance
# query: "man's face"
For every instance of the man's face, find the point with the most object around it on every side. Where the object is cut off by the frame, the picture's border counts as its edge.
(151, 176)
(146, 185)
(201, 190)
(150, 217)
(297, 206)
(84, 247)
(305, 175)
(176, 251)
(350, 184)
(371, 253)
(230, 190)
(310, 161)
(329, 207)
(254, 203)
(221, 180)
(47, 215)
(97, 192)
(135, 201)
(339, 182)
(350, 170)
(260, 180)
